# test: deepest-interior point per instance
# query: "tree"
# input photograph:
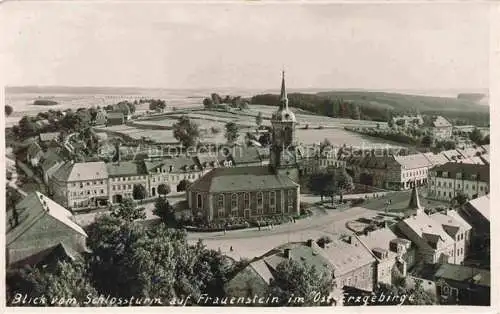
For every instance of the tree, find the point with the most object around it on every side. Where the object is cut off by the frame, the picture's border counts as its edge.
(128, 211)
(231, 132)
(476, 136)
(216, 99)
(139, 192)
(186, 131)
(343, 182)
(460, 199)
(63, 280)
(318, 184)
(427, 141)
(258, 119)
(183, 185)
(8, 110)
(157, 262)
(356, 113)
(157, 105)
(165, 211)
(163, 189)
(265, 139)
(400, 122)
(208, 103)
(214, 130)
(294, 278)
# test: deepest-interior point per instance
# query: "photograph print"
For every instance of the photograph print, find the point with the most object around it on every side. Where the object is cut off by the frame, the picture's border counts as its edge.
(246, 154)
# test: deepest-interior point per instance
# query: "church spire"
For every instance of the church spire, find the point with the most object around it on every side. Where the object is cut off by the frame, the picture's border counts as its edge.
(414, 203)
(283, 96)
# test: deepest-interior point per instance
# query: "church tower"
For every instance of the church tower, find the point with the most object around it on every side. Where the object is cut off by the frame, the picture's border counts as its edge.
(284, 153)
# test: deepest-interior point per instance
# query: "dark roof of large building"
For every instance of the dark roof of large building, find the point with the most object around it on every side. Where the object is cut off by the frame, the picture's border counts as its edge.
(81, 171)
(467, 170)
(126, 168)
(33, 207)
(179, 164)
(463, 273)
(245, 155)
(241, 179)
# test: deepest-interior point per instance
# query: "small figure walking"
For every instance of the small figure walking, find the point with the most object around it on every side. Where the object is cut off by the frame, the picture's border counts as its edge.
(231, 249)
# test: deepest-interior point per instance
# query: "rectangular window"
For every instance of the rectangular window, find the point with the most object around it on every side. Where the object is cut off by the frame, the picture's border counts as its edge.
(220, 201)
(102, 191)
(272, 201)
(234, 201)
(199, 201)
(246, 200)
(260, 199)
(291, 200)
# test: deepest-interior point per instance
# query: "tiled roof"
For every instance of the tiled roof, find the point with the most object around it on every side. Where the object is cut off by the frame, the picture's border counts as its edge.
(179, 164)
(346, 257)
(380, 238)
(244, 155)
(464, 274)
(429, 230)
(32, 208)
(413, 161)
(482, 205)
(126, 168)
(115, 115)
(302, 253)
(467, 170)
(440, 122)
(451, 222)
(44, 137)
(452, 154)
(241, 179)
(70, 171)
(436, 159)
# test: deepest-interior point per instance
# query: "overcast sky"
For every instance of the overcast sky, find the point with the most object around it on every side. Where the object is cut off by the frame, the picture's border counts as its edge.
(378, 46)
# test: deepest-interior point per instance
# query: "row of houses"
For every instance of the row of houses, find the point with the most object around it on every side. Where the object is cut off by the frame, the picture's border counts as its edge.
(93, 184)
(396, 172)
(429, 248)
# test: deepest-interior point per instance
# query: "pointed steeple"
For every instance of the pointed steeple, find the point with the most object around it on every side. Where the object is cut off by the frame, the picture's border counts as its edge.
(415, 201)
(283, 96)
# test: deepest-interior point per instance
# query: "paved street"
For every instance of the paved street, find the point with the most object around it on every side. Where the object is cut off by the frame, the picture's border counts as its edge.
(249, 243)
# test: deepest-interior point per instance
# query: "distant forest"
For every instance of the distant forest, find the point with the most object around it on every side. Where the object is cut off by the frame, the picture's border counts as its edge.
(379, 106)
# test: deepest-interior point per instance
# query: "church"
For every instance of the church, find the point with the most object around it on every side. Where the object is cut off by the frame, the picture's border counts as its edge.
(255, 191)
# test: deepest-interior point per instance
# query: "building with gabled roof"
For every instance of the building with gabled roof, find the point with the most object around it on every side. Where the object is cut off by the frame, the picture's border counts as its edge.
(476, 213)
(446, 181)
(38, 226)
(80, 184)
(441, 128)
(243, 192)
(176, 172)
(123, 176)
(440, 237)
(254, 191)
(457, 284)
(49, 136)
(394, 254)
